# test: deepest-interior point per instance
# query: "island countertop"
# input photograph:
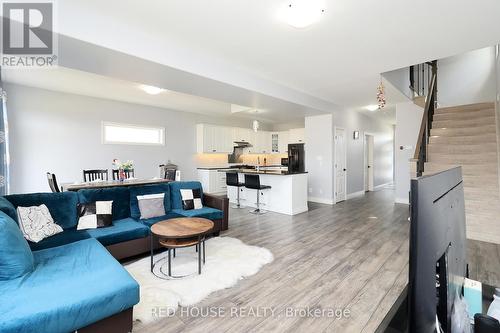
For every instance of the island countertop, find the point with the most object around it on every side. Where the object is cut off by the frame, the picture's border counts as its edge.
(263, 172)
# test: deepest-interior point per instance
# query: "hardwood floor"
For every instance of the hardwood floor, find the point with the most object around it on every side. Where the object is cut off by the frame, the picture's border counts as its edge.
(351, 256)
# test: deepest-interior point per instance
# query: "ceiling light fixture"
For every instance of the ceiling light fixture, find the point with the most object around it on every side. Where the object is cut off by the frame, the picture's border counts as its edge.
(152, 90)
(372, 107)
(302, 13)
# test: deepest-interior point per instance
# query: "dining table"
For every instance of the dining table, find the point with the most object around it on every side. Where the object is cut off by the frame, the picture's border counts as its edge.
(111, 183)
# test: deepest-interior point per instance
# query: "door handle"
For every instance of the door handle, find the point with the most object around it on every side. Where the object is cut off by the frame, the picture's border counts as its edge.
(369, 167)
(345, 169)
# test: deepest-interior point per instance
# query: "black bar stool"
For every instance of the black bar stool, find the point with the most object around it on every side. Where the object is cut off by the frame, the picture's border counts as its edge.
(253, 182)
(232, 180)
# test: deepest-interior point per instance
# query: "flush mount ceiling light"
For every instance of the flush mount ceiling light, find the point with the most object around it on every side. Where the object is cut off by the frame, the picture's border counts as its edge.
(373, 107)
(152, 90)
(302, 13)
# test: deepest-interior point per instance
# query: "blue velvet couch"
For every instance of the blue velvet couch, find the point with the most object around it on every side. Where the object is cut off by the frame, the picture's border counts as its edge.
(76, 283)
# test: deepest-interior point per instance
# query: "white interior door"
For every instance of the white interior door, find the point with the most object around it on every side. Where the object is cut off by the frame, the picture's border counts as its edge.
(368, 162)
(340, 165)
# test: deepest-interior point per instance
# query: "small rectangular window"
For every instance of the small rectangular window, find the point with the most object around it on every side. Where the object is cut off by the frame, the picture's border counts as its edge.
(114, 133)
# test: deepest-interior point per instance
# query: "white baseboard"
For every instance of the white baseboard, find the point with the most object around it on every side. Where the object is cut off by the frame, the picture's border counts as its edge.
(321, 200)
(355, 194)
(300, 210)
(404, 201)
(378, 187)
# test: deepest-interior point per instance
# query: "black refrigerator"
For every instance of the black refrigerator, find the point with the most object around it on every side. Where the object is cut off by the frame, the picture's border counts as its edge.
(296, 157)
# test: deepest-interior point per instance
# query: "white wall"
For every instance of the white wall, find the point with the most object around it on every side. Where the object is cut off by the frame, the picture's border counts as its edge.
(400, 79)
(61, 133)
(408, 119)
(320, 152)
(467, 78)
(319, 157)
(383, 135)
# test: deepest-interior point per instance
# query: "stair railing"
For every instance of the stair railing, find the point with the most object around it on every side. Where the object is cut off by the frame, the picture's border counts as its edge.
(420, 78)
(421, 150)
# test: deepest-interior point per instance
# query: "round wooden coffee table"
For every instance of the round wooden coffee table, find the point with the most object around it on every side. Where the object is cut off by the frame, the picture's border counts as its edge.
(181, 232)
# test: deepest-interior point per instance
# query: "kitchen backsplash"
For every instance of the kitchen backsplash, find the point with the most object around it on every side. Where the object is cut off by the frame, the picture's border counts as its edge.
(271, 159)
(220, 160)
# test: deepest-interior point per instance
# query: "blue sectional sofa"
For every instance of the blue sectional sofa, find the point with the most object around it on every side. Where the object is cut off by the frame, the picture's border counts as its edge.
(76, 281)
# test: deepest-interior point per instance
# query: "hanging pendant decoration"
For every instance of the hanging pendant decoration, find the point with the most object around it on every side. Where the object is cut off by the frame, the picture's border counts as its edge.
(255, 125)
(381, 95)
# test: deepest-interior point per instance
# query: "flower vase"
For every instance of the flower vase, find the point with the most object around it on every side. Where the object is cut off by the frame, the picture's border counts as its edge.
(121, 175)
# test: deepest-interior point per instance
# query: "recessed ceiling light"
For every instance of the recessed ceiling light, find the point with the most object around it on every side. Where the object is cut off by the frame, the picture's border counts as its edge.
(152, 90)
(372, 107)
(302, 13)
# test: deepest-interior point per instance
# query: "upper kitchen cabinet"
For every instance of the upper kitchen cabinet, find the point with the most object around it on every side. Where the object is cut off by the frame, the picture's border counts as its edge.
(263, 142)
(242, 134)
(297, 135)
(213, 139)
(283, 140)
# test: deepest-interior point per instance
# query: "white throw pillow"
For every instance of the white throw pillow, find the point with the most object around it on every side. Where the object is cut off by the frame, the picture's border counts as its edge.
(151, 205)
(36, 223)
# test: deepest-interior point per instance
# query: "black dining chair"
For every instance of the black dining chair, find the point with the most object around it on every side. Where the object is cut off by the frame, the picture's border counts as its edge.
(53, 182)
(91, 175)
(128, 174)
(170, 174)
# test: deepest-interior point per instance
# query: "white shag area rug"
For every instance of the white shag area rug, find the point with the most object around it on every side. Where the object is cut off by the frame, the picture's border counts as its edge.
(228, 260)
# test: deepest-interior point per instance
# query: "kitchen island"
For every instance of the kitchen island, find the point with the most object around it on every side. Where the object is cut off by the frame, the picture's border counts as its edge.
(287, 195)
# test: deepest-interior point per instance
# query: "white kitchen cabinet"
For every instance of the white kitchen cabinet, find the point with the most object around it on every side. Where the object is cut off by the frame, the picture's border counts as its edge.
(212, 180)
(283, 140)
(213, 139)
(261, 142)
(242, 134)
(297, 135)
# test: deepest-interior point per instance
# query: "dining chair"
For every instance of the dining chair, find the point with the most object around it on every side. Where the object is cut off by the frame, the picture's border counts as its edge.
(170, 174)
(128, 174)
(53, 182)
(91, 175)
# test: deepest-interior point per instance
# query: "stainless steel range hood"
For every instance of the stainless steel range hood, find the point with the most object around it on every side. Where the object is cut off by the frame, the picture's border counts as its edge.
(238, 150)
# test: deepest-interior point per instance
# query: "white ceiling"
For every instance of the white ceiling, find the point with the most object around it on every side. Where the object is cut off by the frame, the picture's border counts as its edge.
(240, 52)
(337, 59)
(88, 84)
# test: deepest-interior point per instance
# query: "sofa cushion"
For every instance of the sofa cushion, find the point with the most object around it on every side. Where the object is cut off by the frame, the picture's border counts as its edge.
(71, 287)
(66, 237)
(151, 221)
(62, 206)
(121, 231)
(205, 212)
(119, 195)
(16, 258)
(144, 190)
(8, 208)
(175, 192)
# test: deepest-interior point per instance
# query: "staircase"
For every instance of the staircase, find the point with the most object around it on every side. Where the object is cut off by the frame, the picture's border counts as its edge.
(466, 136)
